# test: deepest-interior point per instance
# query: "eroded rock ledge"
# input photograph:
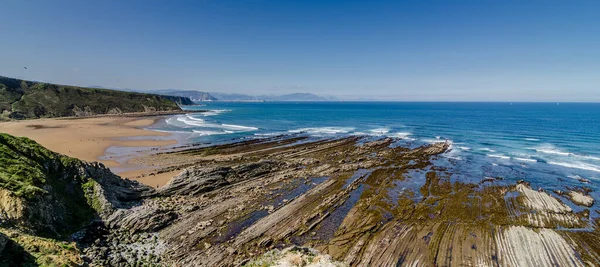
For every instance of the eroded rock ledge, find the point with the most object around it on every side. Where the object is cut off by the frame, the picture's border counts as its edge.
(354, 200)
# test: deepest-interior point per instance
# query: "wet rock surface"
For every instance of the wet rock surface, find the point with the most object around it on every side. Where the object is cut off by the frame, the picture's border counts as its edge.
(357, 201)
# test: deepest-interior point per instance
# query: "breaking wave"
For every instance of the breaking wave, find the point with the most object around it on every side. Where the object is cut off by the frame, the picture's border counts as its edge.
(214, 112)
(498, 156)
(323, 130)
(552, 150)
(203, 128)
(577, 165)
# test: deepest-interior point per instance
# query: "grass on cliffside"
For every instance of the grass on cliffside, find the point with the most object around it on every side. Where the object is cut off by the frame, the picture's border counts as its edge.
(28, 250)
(49, 182)
(24, 165)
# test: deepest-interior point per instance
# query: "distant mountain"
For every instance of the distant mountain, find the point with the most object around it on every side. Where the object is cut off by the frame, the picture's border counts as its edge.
(299, 97)
(20, 99)
(233, 97)
(287, 97)
(218, 96)
(192, 94)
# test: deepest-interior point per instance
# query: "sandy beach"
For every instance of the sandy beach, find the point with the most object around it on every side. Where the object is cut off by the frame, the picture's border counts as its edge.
(89, 138)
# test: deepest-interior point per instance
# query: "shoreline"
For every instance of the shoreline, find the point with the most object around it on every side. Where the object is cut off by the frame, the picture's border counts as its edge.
(90, 138)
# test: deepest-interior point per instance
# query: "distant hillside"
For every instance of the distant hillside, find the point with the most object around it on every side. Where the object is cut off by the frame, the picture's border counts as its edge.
(233, 97)
(300, 97)
(288, 97)
(21, 99)
(193, 95)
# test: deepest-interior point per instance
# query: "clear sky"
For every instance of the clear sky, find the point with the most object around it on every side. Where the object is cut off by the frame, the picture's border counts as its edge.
(395, 50)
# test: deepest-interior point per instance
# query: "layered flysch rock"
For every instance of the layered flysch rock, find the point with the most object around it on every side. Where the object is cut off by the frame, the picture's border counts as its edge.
(539, 209)
(522, 246)
(581, 199)
(353, 201)
(364, 203)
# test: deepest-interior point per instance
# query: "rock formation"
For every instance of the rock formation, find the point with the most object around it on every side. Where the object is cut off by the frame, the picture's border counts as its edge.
(353, 201)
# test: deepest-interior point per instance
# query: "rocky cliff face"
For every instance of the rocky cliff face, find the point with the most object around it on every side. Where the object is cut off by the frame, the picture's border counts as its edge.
(21, 99)
(190, 94)
(181, 100)
(47, 195)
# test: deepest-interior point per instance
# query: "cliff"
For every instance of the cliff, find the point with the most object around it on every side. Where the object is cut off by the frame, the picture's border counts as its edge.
(20, 99)
(191, 94)
(46, 197)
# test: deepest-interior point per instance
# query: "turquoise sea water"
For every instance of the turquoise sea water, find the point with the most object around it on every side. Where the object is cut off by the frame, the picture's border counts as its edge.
(548, 144)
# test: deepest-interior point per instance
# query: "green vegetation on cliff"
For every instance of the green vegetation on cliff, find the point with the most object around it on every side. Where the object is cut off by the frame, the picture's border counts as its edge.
(21, 99)
(48, 186)
(52, 195)
(23, 165)
(46, 197)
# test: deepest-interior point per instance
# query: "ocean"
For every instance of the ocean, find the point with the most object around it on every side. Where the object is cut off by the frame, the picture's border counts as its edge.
(551, 145)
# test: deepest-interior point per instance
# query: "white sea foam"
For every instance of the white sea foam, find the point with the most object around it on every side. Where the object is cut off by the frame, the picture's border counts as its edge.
(525, 159)
(552, 150)
(576, 165)
(192, 118)
(169, 131)
(575, 176)
(487, 149)
(463, 147)
(205, 133)
(532, 139)
(267, 134)
(591, 157)
(379, 131)
(323, 130)
(214, 112)
(385, 132)
(432, 141)
(239, 127)
(188, 121)
(401, 134)
(581, 178)
(498, 156)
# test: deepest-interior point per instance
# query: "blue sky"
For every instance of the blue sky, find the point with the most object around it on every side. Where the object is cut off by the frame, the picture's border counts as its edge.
(388, 50)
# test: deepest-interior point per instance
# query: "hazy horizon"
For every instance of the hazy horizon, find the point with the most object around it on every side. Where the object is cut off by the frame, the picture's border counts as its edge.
(468, 51)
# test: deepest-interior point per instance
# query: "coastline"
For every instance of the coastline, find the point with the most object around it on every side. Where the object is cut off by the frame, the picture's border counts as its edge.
(89, 139)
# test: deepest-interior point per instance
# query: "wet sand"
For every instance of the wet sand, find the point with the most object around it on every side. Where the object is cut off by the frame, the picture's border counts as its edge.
(89, 138)
(149, 177)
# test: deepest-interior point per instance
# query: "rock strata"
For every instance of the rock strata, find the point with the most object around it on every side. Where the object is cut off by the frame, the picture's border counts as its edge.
(362, 202)
(581, 199)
